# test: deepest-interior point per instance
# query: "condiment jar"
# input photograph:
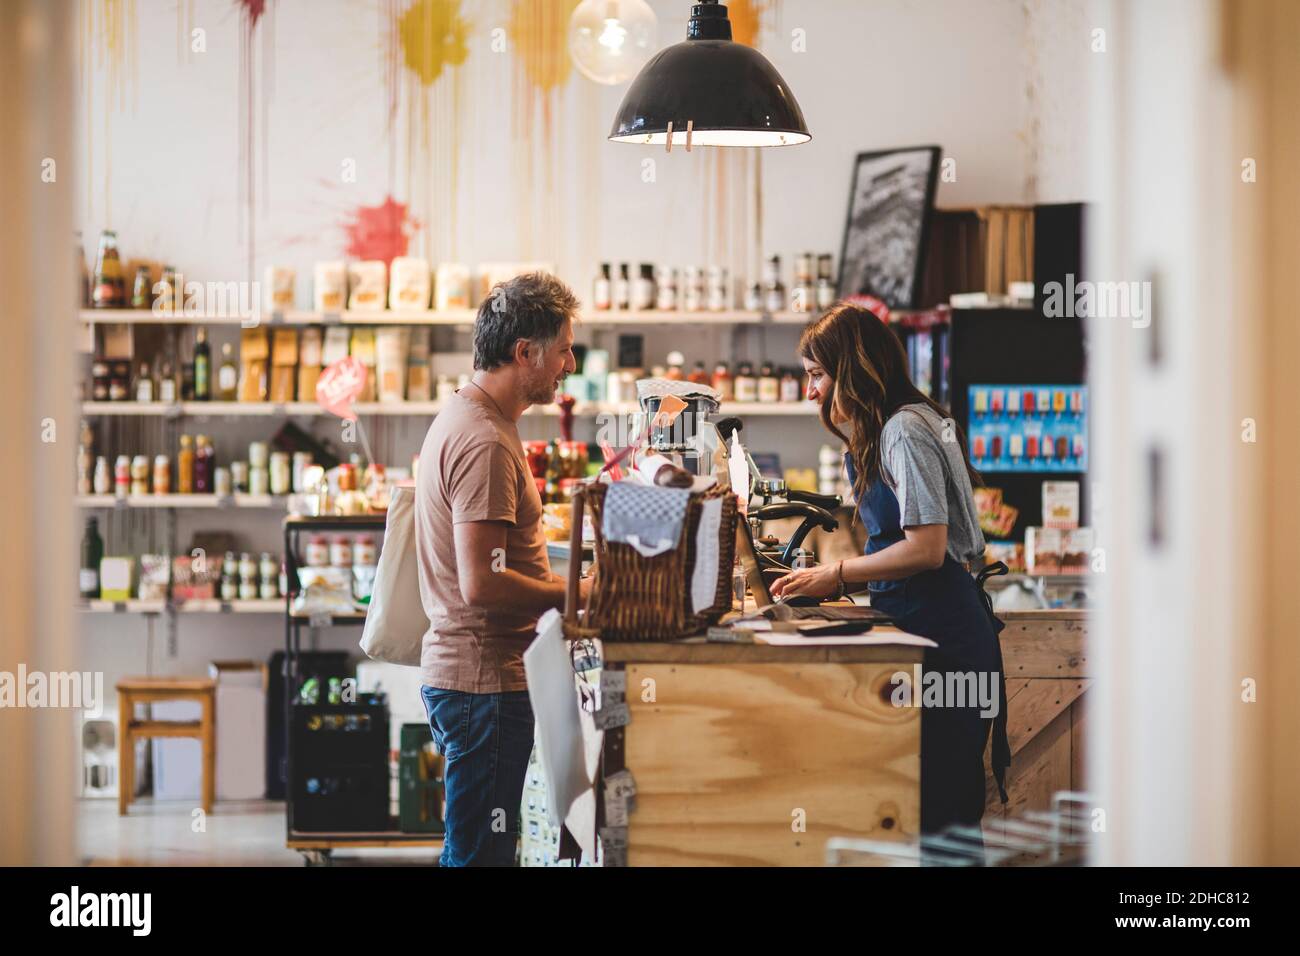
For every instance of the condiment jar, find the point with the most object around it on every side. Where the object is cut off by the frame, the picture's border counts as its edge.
(103, 480)
(318, 551)
(267, 567)
(257, 454)
(162, 475)
(140, 475)
(363, 553)
(257, 481)
(341, 551)
(247, 569)
(281, 476)
(247, 589)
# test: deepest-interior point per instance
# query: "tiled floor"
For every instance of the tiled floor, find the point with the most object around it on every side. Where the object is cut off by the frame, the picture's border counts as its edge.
(236, 833)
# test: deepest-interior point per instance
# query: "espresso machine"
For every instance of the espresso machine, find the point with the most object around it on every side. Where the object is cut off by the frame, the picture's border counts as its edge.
(770, 499)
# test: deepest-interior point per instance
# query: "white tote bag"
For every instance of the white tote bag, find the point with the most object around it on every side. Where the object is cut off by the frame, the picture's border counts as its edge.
(396, 622)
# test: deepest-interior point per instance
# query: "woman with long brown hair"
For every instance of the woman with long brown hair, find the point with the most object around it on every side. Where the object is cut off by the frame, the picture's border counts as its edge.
(912, 481)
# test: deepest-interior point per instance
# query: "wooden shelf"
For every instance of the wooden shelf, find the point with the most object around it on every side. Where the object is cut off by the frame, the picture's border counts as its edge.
(238, 500)
(411, 409)
(465, 317)
(137, 606)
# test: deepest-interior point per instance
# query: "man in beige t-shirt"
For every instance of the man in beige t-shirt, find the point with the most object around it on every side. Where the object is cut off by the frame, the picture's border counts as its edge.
(484, 574)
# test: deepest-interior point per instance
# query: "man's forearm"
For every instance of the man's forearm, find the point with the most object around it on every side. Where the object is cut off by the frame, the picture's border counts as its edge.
(519, 592)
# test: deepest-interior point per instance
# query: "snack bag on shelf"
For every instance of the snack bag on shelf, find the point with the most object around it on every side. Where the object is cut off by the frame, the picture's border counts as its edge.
(368, 283)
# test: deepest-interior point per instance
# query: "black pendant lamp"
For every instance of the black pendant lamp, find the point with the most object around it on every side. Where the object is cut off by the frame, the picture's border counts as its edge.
(709, 91)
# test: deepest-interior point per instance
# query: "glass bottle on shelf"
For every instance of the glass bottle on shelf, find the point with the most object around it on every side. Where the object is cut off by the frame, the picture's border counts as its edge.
(769, 386)
(185, 466)
(227, 375)
(166, 383)
(722, 382)
(601, 289)
(169, 298)
(773, 288)
(83, 298)
(202, 366)
(141, 295)
(85, 458)
(205, 461)
(92, 553)
(623, 288)
(109, 290)
(144, 390)
(825, 284)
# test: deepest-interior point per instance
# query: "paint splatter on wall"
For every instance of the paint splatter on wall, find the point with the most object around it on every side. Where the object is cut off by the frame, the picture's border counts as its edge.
(432, 35)
(426, 46)
(108, 42)
(379, 232)
(539, 30)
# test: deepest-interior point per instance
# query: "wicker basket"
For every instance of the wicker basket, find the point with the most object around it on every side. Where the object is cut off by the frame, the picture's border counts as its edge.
(635, 598)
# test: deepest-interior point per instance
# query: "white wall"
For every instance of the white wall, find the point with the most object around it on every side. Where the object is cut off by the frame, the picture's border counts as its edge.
(164, 172)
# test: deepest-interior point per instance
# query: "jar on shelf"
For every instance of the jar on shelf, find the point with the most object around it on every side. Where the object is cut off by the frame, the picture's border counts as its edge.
(341, 551)
(247, 569)
(363, 551)
(248, 589)
(268, 568)
(318, 551)
(140, 475)
(281, 474)
(257, 454)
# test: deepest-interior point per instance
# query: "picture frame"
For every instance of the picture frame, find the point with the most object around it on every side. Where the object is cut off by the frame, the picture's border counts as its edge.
(891, 199)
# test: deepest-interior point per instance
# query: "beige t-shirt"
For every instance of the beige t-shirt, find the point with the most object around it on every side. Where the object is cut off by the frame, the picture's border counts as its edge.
(472, 468)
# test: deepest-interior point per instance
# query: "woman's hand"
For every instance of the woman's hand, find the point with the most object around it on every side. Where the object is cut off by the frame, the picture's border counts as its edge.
(820, 581)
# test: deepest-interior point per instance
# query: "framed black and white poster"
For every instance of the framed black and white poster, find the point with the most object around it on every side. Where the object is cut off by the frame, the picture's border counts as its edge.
(889, 214)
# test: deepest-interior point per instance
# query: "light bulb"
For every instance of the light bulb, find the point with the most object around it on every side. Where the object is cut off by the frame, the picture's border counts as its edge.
(610, 40)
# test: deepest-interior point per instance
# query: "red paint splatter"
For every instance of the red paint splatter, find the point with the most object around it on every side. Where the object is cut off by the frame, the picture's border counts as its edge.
(253, 9)
(380, 232)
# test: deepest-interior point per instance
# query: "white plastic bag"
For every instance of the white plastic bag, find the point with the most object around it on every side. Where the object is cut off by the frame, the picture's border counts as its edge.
(396, 622)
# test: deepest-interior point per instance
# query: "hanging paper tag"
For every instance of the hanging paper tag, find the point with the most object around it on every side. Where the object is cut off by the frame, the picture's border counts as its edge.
(340, 384)
(669, 408)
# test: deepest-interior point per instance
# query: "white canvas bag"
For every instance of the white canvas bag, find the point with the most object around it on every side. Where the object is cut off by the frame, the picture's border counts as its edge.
(396, 622)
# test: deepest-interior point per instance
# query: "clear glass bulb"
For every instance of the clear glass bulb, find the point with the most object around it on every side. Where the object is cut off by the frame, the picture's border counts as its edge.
(610, 40)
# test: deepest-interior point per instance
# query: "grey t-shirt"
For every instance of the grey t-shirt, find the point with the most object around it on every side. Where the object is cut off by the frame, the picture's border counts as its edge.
(927, 473)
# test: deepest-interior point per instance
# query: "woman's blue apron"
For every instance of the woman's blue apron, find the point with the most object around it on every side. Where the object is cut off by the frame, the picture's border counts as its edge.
(946, 606)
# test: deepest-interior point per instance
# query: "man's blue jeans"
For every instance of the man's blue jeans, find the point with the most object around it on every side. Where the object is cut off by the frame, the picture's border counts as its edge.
(485, 741)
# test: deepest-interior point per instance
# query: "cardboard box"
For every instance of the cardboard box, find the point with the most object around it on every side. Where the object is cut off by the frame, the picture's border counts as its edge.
(115, 578)
(1076, 550)
(1060, 504)
(1043, 550)
(284, 358)
(254, 362)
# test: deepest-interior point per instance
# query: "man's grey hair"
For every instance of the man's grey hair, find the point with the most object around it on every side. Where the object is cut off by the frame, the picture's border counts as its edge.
(532, 306)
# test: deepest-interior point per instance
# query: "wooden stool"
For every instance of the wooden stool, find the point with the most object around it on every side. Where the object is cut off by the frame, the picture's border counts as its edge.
(146, 690)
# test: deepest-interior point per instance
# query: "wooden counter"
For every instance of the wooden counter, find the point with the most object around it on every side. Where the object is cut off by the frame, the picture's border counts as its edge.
(1045, 654)
(751, 754)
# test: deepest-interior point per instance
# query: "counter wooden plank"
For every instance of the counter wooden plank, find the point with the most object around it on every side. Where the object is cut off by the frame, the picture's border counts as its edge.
(697, 650)
(761, 761)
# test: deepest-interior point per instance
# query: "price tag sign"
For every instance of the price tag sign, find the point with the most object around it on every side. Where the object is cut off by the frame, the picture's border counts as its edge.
(340, 384)
(620, 786)
(612, 716)
(613, 687)
(319, 619)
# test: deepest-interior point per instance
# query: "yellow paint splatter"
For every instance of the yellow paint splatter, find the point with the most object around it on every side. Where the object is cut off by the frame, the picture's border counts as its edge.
(433, 34)
(539, 30)
(746, 20)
